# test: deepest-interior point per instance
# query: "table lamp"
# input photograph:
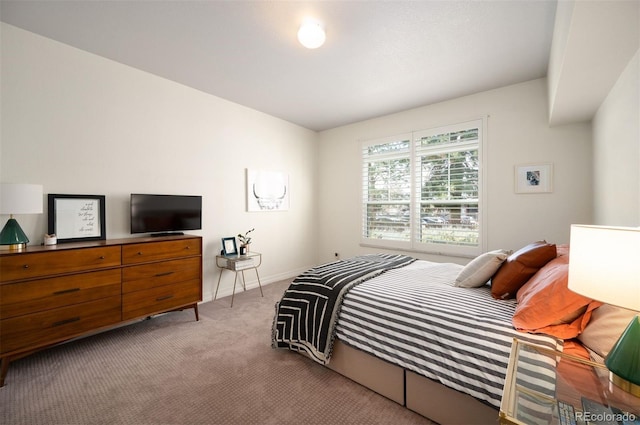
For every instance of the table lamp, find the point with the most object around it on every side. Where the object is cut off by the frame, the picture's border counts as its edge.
(604, 265)
(18, 199)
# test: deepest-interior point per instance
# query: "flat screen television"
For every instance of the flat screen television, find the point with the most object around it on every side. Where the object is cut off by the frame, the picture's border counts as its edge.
(165, 214)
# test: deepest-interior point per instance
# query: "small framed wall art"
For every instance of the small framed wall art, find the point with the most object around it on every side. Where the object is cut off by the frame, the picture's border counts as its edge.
(534, 178)
(74, 218)
(267, 190)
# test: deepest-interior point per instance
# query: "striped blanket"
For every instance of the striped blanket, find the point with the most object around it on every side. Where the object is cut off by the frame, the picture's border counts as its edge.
(461, 337)
(307, 313)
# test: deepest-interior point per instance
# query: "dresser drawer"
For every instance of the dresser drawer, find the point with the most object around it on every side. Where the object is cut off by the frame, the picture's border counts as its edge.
(49, 263)
(51, 326)
(136, 278)
(163, 298)
(154, 251)
(45, 294)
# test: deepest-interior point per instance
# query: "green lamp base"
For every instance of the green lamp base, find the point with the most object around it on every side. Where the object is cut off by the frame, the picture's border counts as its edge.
(13, 236)
(628, 386)
(13, 247)
(623, 361)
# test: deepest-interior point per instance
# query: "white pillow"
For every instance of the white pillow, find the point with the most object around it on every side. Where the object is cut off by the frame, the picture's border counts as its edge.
(605, 327)
(480, 269)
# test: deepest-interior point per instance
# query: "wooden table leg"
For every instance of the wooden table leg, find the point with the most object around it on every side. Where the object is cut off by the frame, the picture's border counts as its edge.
(4, 368)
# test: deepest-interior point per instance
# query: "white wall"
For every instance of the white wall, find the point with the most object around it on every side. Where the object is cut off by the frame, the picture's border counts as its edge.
(592, 43)
(561, 30)
(518, 133)
(616, 152)
(81, 124)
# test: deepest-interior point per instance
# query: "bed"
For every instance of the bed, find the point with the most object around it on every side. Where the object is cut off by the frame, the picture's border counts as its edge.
(434, 337)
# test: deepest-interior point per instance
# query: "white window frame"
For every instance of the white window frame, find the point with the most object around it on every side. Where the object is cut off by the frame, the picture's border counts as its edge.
(395, 244)
(414, 245)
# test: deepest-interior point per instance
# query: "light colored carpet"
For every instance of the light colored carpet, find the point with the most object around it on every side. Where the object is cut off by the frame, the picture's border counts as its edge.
(174, 370)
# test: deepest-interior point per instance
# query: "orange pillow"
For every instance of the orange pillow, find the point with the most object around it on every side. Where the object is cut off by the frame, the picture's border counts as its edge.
(546, 305)
(519, 267)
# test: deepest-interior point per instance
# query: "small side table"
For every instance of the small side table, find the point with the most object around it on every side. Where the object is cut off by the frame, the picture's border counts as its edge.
(238, 263)
(543, 385)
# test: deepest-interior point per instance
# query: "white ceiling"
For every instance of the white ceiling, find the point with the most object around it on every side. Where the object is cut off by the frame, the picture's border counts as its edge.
(380, 57)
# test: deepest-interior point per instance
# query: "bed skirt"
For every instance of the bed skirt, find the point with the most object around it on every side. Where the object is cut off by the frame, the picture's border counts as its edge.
(419, 394)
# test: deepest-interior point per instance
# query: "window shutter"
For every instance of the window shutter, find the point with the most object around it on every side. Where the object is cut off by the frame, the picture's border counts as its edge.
(386, 182)
(448, 188)
(422, 191)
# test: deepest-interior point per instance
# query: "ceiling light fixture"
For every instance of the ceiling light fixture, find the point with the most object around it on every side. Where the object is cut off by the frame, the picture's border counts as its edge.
(311, 34)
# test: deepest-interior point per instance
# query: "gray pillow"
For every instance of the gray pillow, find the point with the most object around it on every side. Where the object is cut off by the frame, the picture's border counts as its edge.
(605, 327)
(480, 269)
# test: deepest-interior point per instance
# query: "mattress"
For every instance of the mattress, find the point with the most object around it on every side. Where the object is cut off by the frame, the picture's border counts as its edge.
(415, 318)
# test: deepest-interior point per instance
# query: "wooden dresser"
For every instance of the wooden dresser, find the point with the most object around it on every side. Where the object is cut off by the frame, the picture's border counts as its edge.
(50, 294)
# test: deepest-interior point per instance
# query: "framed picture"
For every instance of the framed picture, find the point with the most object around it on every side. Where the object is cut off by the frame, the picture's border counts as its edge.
(534, 178)
(229, 246)
(267, 190)
(74, 218)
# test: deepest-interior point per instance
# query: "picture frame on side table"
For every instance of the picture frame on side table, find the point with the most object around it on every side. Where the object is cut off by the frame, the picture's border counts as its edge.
(75, 218)
(534, 178)
(229, 246)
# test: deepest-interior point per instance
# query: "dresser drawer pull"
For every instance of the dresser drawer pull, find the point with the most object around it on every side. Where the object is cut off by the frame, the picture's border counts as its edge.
(166, 297)
(164, 274)
(26, 266)
(102, 257)
(139, 253)
(65, 322)
(187, 247)
(66, 291)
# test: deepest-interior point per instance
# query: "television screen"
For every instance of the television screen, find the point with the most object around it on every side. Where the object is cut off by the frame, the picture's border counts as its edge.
(165, 213)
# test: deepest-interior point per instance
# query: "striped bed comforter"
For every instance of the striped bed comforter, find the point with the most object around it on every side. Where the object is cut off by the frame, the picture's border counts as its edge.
(461, 337)
(306, 315)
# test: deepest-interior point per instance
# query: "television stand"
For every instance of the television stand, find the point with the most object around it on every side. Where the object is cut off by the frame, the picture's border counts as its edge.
(163, 234)
(55, 293)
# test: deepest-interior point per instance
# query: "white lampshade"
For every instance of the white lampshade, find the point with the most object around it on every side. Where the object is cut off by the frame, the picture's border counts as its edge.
(604, 264)
(311, 34)
(20, 198)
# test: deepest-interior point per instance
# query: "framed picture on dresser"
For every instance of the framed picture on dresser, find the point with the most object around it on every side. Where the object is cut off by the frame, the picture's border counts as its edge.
(75, 218)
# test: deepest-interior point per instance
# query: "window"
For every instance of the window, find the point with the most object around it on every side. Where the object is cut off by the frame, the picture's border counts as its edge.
(422, 191)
